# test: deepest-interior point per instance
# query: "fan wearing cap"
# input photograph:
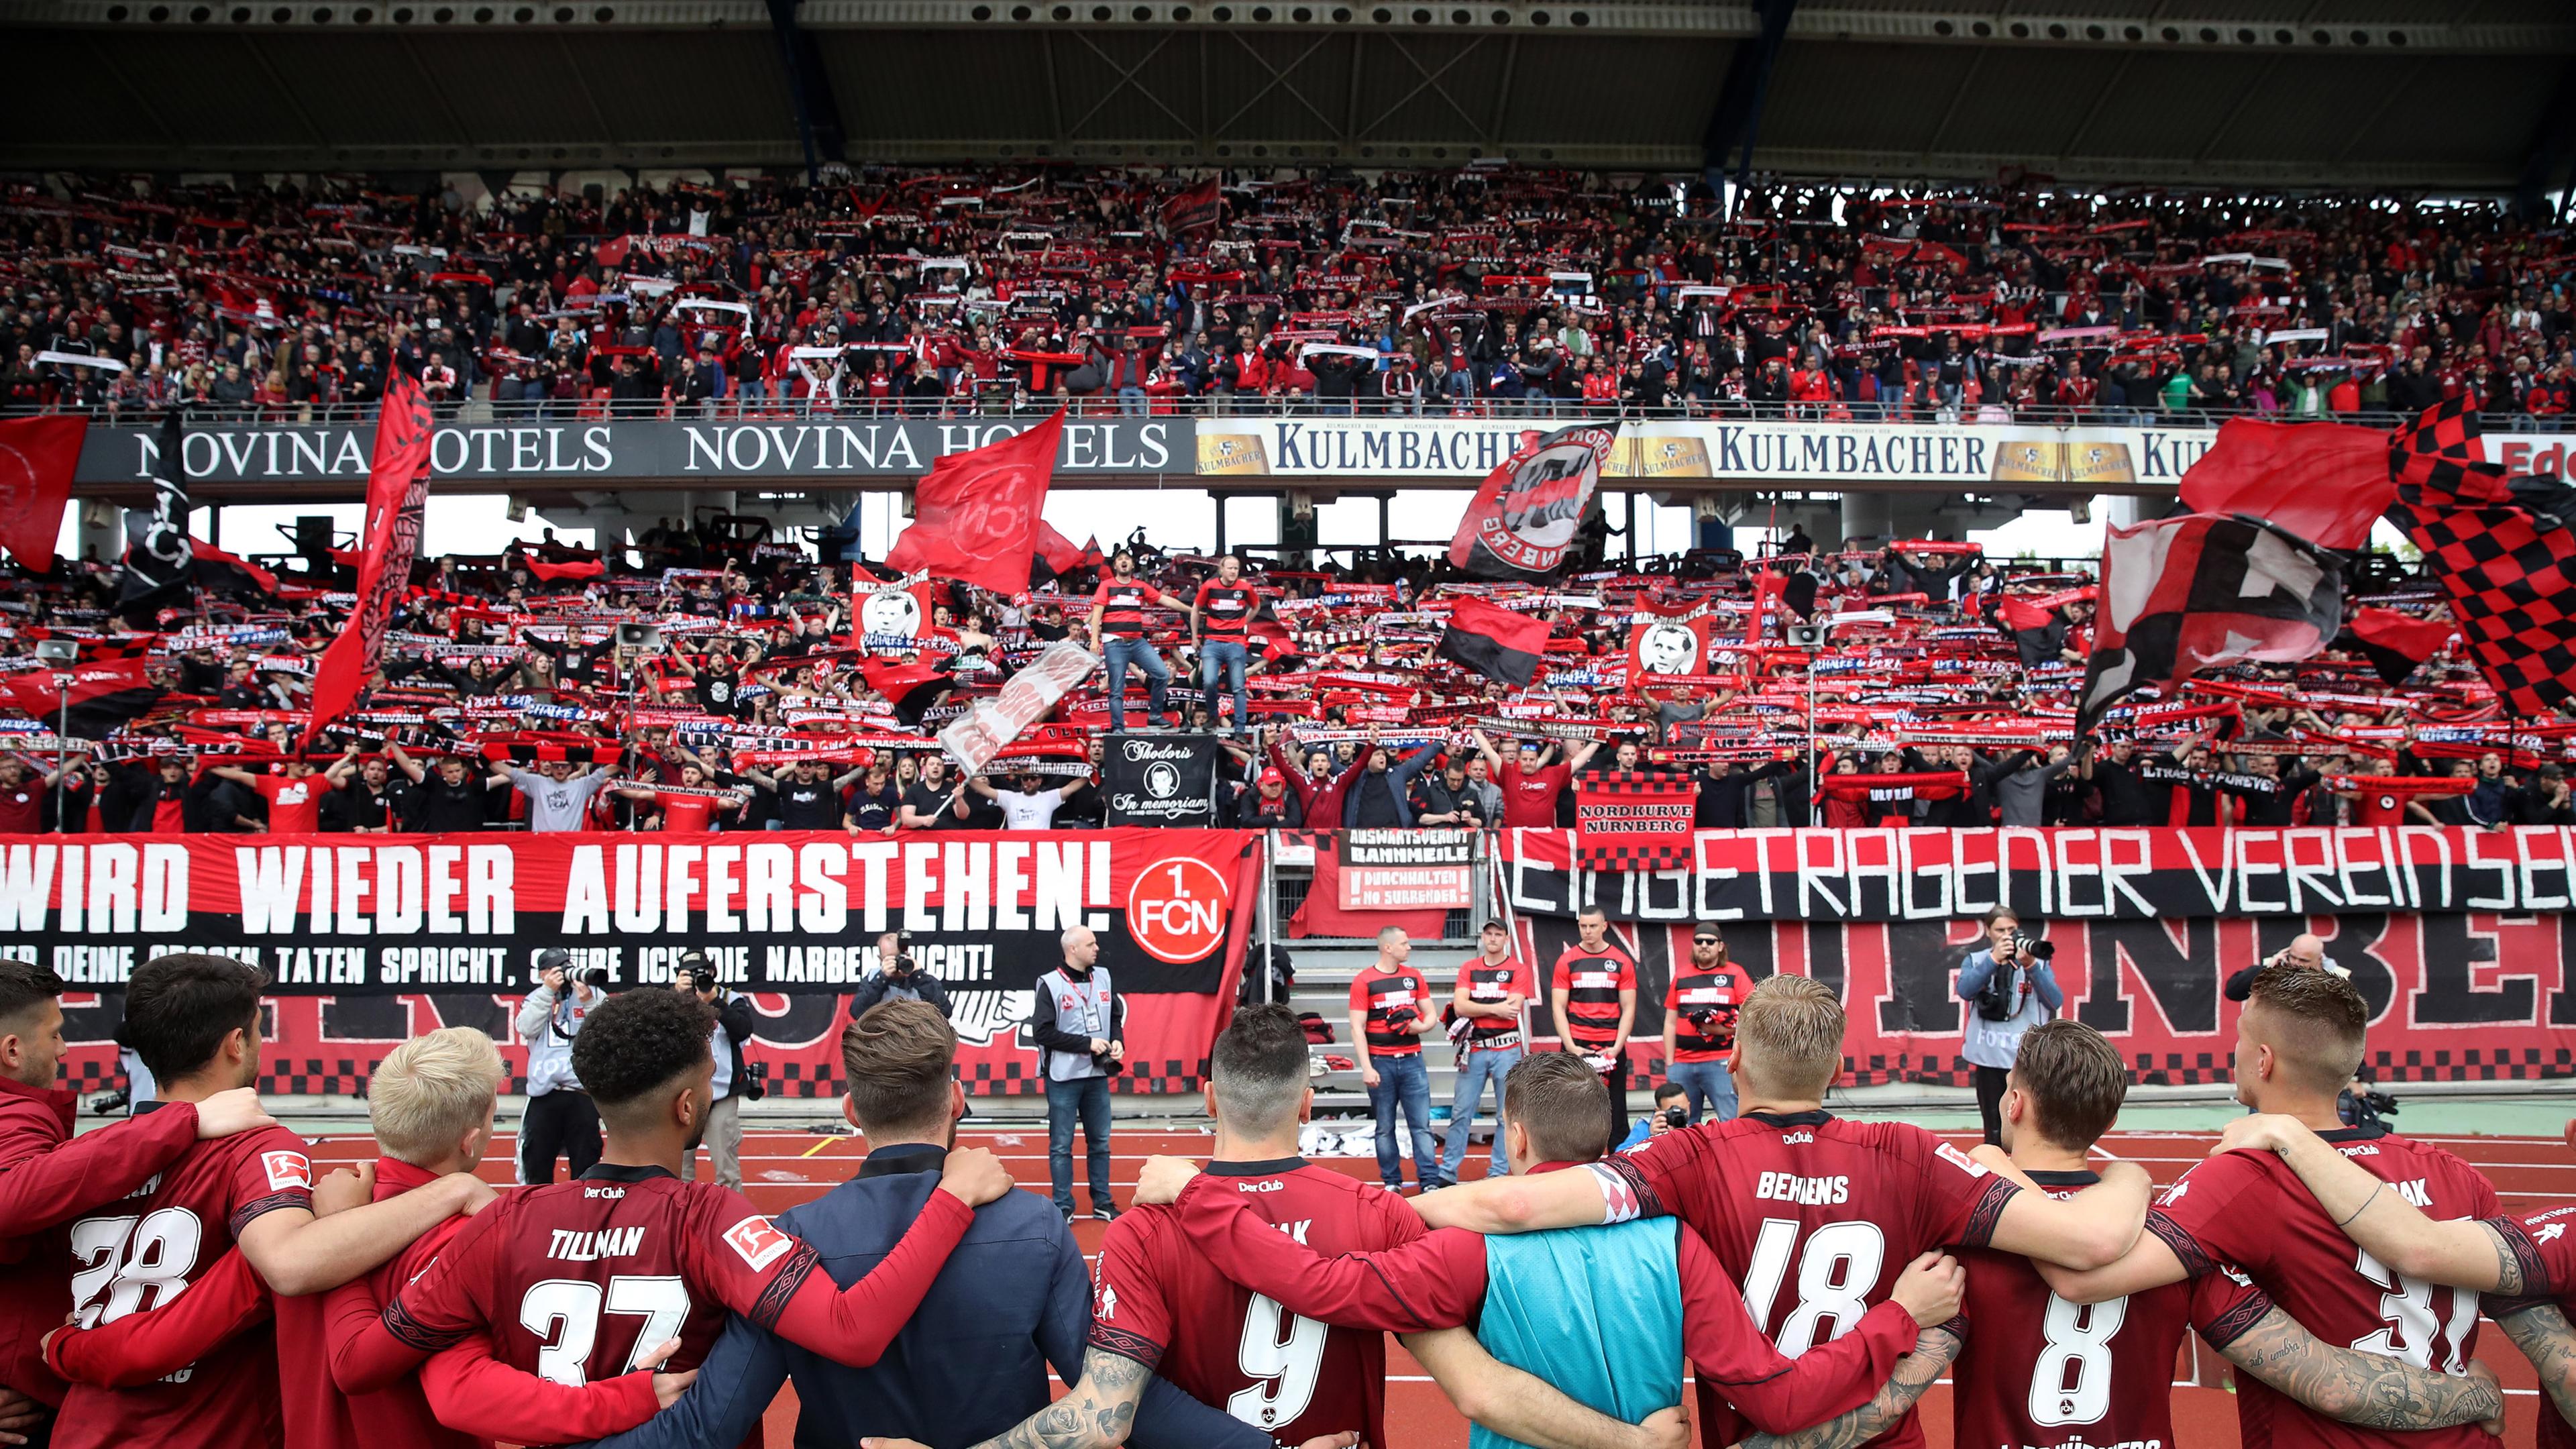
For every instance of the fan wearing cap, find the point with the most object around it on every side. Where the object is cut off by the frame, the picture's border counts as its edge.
(1269, 804)
(559, 1117)
(695, 975)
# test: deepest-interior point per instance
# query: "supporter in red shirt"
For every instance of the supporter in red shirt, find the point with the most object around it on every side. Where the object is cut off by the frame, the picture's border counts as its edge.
(294, 797)
(1592, 995)
(1529, 785)
(21, 798)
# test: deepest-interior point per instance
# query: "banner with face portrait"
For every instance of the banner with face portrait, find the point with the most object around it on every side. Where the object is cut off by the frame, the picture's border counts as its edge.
(1669, 651)
(1523, 520)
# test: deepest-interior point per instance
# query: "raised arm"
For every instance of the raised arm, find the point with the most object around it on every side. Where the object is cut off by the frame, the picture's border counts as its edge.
(45, 1186)
(2463, 1252)
(855, 1325)
(1433, 1282)
(2369, 1389)
(296, 1252)
(1915, 1374)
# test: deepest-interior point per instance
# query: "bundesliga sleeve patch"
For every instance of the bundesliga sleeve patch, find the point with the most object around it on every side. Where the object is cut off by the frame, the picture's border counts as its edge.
(757, 1243)
(287, 1170)
(1959, 1160)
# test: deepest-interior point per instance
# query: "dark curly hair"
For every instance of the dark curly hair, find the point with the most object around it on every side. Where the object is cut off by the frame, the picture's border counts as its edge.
(636, 1041)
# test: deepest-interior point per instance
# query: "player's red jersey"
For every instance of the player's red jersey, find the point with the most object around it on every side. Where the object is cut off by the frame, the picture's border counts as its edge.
(2545, 1243)
(2248, 1209)
(2040, 1372)
(574, 1279)
(1592, 982)
(133, 1253)
(1160, 1302)
(1816, 1216)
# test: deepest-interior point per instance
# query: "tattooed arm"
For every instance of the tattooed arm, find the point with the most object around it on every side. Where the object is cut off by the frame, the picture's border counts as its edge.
(2542, 1333)
(2368, 1389)
(1095, 1415)
(1915, 1372)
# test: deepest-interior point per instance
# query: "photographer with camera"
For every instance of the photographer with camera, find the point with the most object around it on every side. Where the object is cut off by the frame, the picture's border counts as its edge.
(1672, 1110)
(2010, 988)
(1081, 1028)
(898, 977)
(559, 1117)
(2306, 952)
(735, 1080)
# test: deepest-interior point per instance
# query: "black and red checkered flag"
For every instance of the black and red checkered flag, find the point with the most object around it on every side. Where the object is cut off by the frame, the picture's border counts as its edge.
(2180, 595)
(2502, 548)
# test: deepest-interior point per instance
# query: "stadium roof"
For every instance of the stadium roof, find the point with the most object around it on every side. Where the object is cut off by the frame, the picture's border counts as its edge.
(2273, 93)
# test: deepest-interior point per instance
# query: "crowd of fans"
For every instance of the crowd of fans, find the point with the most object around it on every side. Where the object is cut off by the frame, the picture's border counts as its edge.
(1472, 290)
(749, 686)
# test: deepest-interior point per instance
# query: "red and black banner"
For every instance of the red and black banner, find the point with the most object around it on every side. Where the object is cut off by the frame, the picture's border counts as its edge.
(2454, 996)
(37, 459)
(2112, 873)
(1633, 819)
(1197, 209)
(89, 699)
(2180, 595)
(397, 487)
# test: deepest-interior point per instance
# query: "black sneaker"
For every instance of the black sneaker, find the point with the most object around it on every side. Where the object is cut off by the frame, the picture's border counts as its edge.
(1106, 1212)
(1068, 1216)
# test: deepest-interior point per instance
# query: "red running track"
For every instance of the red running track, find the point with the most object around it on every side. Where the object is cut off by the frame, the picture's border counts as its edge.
(782, 1169)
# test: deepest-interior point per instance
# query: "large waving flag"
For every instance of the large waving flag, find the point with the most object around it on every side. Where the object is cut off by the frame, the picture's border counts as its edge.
(975, 518)
(1494, 641)
(160, 567)
(2502, 547)
(2180, 595)
(397, 486)
(37, 459)
(2323, 482)
(1524, 517)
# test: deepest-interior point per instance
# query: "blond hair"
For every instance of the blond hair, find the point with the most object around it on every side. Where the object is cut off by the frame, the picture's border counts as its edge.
(1789, 1036)
(432, 1090)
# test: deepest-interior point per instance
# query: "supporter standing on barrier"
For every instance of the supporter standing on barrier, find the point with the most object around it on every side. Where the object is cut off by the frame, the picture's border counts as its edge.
(1699, 1024)
(735, 1023)
(1218, 620)
(1390, 1013)
(1493, 991)
(1081, 1027)
(1592, 994)
(559, 1117)
(1118, 634)
(2009, 987)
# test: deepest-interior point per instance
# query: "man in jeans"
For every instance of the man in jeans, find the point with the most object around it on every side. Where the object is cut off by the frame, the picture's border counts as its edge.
(1118, 631)
(559, 1117)
(1219, 618)
(1492, 991)
(1699, 1025)
(1391, 1012)
(1080, 1028)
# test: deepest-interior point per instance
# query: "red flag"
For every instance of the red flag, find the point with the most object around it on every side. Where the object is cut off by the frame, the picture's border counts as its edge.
(1197, 209)
(975, 518)
(397, 484)
(2396, 642)
(1494, 641)
(579, 568)
(37, 457)
(612, 252)
(102, 694)
(2324, 483)
(1061, 553)
(218, 570)
(2184, 594)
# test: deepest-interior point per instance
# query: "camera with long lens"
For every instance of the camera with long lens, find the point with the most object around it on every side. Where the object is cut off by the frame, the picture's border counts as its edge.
(2367, 1107)
(2034, 947)
(594, 977)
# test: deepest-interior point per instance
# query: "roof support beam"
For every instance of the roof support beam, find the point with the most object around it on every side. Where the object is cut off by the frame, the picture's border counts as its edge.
(818, 112)
(1737, 120)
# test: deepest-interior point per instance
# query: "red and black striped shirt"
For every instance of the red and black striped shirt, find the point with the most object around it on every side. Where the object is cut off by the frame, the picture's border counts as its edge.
(1488, 985)
(1719, 992)
(1386, 996)
(1224, 609)
(1592, 985)
(1122, 606)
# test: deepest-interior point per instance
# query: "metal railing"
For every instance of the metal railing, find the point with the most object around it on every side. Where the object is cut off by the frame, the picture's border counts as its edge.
(1221, 407)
